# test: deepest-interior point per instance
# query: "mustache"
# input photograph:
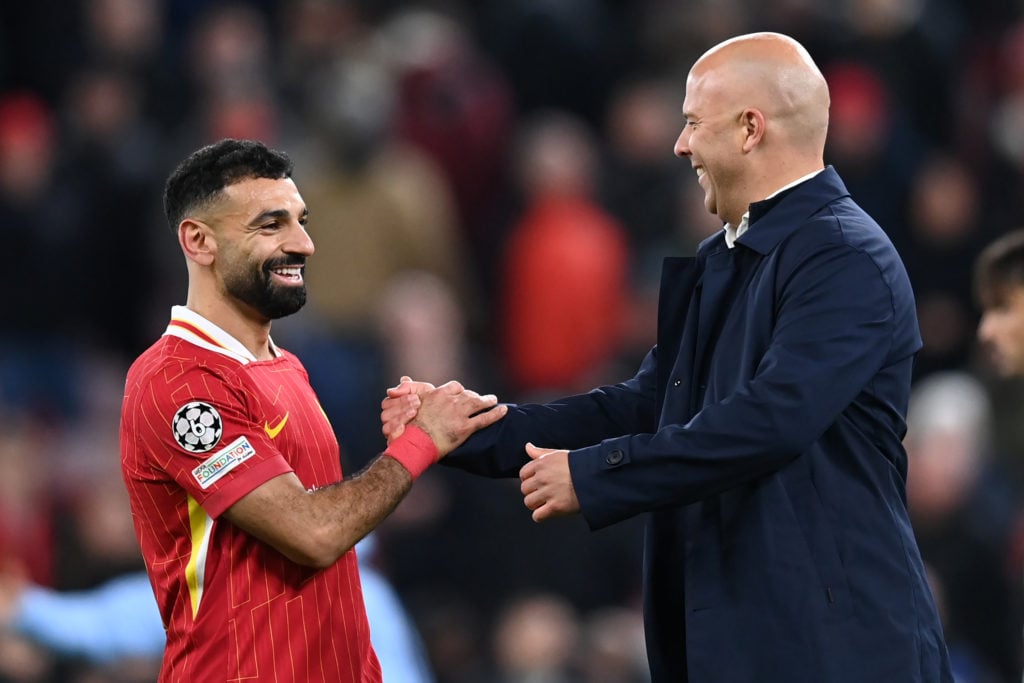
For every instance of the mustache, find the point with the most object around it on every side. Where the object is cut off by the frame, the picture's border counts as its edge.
(283, 261)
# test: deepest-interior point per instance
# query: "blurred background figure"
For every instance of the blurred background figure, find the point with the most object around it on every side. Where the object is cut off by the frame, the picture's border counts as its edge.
(869, 142)
(111, 632)
(115, 148)
(612, 647)
(403, 658)
(114, 631)
(41, 212)
(453, 104)
(565, 265)
(964, 516)
(535, 640)
(943, 222)
(641, 181)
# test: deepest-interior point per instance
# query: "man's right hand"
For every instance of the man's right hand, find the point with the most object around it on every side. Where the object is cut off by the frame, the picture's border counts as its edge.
(450, 413)
(400, 406)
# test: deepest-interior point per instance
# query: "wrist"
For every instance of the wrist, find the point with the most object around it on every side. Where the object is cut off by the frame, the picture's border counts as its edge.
(414, 450)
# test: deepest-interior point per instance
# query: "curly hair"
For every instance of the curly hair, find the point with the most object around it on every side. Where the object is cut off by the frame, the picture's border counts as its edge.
(206, 172)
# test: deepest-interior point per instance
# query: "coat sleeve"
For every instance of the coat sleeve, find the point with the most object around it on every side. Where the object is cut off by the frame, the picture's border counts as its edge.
(833, 332)
(571, 422)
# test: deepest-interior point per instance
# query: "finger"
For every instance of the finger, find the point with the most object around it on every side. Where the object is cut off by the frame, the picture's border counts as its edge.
(409, 386)
(528, 471)
(399, 411)
(528, 486)
(533, 500)
(487, 418)
(489, 399)
(541, 513)
(389, 425)
(402, 389)
(403, 384)
(400, 404)
(476, 403)
(393, 432)
(393, 428)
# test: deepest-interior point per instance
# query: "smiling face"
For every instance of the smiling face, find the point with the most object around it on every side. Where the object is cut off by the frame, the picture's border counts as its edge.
(712, 140)
(262, 246)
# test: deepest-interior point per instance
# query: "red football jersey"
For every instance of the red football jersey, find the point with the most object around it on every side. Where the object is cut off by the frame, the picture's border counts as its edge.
(204, 423)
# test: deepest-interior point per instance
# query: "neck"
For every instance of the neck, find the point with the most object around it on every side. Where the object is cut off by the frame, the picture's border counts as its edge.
(785, 171)
(252, 331)
(770, 182)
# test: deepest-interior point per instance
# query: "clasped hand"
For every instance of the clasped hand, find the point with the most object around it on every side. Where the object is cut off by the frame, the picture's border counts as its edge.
(546, 484)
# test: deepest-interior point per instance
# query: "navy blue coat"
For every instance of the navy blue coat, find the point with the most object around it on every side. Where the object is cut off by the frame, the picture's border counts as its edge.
(763, 434)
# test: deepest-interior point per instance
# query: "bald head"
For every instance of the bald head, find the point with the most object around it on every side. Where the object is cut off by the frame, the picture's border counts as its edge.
(775, 74)
(756, 111)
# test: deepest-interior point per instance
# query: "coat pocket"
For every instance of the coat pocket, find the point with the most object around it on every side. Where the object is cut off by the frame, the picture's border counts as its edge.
(819, 539)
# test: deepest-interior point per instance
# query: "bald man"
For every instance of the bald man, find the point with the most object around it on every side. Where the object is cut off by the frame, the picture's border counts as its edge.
(762, 435)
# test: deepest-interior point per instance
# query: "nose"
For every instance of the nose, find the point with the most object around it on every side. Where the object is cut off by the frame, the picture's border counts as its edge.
(299, 241)
(682, 147)
(985, 328)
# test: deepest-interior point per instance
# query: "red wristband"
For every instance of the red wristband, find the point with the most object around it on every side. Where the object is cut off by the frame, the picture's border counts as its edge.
(414, 449)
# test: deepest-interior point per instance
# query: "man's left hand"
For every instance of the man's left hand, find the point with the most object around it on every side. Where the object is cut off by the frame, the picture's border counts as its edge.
(547, 485)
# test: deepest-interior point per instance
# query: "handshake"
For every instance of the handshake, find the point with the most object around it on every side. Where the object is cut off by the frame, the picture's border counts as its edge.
(450, 413)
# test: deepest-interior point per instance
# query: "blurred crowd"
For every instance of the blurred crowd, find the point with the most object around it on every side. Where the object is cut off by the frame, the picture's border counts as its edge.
(491, 188)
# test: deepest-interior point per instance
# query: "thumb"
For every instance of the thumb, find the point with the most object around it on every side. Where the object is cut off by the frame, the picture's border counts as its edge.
(536, 453)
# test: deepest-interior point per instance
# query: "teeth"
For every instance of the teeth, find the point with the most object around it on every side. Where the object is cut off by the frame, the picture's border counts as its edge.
(292, 271)
(700, 172)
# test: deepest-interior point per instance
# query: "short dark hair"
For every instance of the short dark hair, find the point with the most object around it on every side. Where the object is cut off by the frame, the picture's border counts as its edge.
(208, 170)
(999, 268)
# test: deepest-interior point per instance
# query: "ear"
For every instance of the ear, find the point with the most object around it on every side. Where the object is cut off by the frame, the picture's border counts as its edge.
(753, 128)
(197, 241)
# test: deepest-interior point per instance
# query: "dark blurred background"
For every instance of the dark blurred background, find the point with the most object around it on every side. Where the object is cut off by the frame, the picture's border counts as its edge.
(491, 188)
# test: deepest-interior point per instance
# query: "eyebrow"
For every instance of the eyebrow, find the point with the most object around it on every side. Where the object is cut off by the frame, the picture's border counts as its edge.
(277, 214)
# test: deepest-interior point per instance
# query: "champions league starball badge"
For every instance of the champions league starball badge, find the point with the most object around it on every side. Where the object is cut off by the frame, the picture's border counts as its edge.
(197, 427)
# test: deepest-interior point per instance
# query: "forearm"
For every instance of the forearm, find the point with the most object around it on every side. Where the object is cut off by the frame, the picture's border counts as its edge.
(571, 422)
(316, 527)
(347, 511)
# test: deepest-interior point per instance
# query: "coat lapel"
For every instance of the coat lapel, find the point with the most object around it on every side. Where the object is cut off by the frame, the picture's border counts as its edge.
(680, 290)
(715, 286)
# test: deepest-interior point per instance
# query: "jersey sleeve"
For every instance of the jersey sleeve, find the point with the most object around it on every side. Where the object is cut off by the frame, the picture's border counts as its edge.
(203, 432)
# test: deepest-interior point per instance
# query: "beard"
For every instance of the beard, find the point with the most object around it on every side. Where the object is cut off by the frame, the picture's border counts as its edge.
(254, 286)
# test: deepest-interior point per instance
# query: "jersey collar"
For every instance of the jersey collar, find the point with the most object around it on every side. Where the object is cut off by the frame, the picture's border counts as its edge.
(194, 328)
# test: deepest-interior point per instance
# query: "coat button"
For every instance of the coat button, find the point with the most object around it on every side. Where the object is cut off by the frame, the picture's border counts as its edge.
(614, 458)
(677, 382)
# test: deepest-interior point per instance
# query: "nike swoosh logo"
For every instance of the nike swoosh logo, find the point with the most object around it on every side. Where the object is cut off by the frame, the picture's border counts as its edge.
(272, 432)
